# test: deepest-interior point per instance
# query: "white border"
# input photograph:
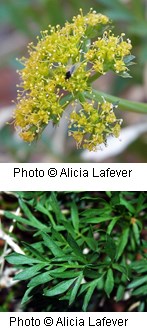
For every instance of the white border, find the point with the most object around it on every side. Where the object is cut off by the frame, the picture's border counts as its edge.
(74, 178)
(69, 322)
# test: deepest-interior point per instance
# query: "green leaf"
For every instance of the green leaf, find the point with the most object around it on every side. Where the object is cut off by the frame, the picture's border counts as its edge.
(91, 213)
(92, 243)
(34, 251)
(40, 279)
(65, 274)
(55, 249)
(77, 251)
(140, 291)
(137, 282)
(120, 268)
(141, 200)
(109, 194)
(55, 207)
(120, 293)
(25, 221)
(26, 296)
(32, 219)
(127, 203)
(58, 236)
(122, 243)
(68, 227)
(141, 307)
(112, 224)
(110, 247)
(29, 272)
(59, 288)
(91, 273)
(19, 259)
(75, 288)
(109, 283)
(75, 216)
(136, 233)
(97, 220)
(139, 266)
(89, 294)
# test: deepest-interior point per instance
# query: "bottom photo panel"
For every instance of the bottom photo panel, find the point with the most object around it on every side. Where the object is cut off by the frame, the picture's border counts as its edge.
(73, 251)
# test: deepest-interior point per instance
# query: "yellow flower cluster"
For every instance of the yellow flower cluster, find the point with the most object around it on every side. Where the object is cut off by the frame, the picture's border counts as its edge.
(58, 67)
(108, 53)
(91, 126)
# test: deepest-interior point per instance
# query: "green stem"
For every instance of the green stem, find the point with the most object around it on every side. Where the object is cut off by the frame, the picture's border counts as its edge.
(94, 77)
(123, 103)
(66, 99)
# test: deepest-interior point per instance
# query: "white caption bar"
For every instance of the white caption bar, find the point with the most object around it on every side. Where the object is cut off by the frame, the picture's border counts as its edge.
(73, 176)
(69, 322)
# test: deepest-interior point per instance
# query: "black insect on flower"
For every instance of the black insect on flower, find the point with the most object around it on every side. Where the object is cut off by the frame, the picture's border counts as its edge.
(69, 73)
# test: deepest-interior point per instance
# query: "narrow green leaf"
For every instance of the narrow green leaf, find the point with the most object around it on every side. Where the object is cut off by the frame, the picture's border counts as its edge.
(110, 247)
(91, 273)
(22, 220)
(140, 291)
(91, 213)
(139, 265)
(127, 203)
(73, 244)
(41, 208)
(65, 274)
(122, 243)
(120, 293)
(75, 216)
(59, 288)
(34, 251)
(25, 221)
(109, 283)
(58, 236)
(92, 243)
(95, 219)
(26, 296)
(68, 227)
(55, 206)
(109, 194)
(55, 249)
(89, 294)
(137, 282)
(29, 272)
(112, 224)
(141, 203)
(136, 233)
(120, 268)
(141, 307)
(34, 221)
(40, 279)
(75, 288)
(19, 259)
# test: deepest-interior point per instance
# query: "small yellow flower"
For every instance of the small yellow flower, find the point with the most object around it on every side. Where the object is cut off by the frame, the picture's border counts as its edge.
(27, 136)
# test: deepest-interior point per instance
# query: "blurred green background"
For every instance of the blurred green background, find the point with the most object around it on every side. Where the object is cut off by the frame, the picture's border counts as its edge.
(20, 23)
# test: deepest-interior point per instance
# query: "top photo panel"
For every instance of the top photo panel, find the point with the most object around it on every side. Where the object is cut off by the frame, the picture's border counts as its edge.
(73, 81)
